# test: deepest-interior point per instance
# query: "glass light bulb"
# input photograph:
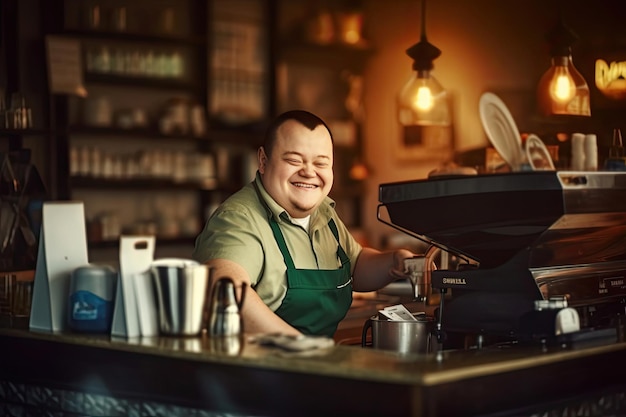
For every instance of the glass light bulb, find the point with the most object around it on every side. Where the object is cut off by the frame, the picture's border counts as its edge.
(562, 87)
(424, 98)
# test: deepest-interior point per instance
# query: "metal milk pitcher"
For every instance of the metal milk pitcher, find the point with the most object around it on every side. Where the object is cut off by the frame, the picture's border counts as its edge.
(224, 312)
(180, 287)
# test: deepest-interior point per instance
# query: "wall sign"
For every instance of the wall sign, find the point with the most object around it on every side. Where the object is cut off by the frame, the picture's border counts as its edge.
(610, 78)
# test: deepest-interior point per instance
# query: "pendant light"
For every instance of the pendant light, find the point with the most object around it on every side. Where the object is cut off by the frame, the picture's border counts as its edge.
(422, 100)
(562, 89)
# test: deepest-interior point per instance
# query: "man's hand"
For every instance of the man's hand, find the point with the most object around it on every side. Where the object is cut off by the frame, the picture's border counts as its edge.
(398, 270)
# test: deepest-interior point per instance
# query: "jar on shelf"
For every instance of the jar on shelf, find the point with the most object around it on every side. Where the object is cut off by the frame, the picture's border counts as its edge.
(168, 20)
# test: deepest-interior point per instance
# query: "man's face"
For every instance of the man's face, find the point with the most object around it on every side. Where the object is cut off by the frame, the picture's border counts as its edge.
(299, 173)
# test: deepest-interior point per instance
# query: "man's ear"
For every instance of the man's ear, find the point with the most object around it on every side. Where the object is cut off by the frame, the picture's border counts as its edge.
(262, 158)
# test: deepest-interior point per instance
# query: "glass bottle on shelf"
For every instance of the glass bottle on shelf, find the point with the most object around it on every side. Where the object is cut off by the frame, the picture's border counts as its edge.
(617, 154)
(3, 111)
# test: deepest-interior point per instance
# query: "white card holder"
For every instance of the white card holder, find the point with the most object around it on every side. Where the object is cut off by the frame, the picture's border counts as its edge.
(131, 310)
(62, 248)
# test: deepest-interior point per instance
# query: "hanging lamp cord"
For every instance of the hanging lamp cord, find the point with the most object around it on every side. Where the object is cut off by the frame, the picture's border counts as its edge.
(423, 52)
(423, 34)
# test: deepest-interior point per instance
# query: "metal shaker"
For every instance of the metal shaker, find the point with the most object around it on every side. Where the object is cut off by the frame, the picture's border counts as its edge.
(225, 309)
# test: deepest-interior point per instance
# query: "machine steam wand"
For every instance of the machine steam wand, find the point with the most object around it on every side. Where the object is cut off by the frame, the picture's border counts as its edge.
(415, 268)
(419, 269)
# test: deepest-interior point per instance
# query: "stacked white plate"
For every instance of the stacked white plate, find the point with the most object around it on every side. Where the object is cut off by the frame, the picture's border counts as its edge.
(538, 155)
(502, 130)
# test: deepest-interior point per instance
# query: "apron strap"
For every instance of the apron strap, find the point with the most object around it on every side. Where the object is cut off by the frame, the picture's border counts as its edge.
(343, 257)
(278, 236)
(280, 240)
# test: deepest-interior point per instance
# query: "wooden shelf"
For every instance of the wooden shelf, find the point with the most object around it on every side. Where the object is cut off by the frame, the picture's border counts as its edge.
(116, 184)
(23, 132)
(141, 81)
(250, 135)
(109, 35)
(147, 132)
(161, 241)
(333, 55)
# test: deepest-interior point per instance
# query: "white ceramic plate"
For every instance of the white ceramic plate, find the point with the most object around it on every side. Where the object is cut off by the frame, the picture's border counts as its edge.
(538, 155)
(501, 130)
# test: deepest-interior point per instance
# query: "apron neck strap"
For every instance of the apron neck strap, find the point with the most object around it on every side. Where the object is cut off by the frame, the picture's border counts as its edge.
(278, 235)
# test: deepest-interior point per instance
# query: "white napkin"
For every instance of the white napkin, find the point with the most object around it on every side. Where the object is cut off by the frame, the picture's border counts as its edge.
(578, 152)
(591, 152)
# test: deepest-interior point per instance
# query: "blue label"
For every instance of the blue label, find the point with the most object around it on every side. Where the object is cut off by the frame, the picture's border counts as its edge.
(88, 312)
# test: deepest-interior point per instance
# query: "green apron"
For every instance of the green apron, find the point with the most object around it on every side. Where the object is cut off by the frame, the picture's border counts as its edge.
(317, 299)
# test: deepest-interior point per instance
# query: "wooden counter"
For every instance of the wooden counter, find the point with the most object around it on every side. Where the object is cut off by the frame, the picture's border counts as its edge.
(196, 376)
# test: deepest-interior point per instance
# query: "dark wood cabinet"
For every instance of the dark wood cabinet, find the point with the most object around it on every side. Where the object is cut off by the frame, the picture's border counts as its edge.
(151, 149)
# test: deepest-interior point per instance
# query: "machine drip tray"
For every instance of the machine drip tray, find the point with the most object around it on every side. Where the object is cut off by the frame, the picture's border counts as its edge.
(586, 337)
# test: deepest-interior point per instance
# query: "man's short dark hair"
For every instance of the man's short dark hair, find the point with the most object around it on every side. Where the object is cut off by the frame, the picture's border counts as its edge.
(303, 117)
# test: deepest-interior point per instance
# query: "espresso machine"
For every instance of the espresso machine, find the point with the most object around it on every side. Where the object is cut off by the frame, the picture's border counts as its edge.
(511, 253)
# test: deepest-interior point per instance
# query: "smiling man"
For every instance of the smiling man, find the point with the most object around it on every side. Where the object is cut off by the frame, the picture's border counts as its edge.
(280, 236)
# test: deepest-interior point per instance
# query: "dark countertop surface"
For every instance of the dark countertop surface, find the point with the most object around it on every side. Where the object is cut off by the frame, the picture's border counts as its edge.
(372, 382)
(350, 362)
(479, 380)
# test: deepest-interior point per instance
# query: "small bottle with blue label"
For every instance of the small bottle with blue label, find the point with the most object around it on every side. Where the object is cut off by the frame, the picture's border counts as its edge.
(91, 298)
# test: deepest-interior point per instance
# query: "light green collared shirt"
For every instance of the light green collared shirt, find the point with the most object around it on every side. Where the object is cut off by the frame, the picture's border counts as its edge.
(239, 231)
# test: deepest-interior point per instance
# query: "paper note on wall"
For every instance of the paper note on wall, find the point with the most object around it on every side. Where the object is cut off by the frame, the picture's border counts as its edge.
(65, 69)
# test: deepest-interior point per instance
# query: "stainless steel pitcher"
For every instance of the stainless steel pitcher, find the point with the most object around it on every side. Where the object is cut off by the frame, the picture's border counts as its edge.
(181, 294)
(225, 309)
(401, 336)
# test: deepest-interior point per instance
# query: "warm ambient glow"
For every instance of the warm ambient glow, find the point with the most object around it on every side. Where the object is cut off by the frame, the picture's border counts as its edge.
(358, 171)
(351, 25)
